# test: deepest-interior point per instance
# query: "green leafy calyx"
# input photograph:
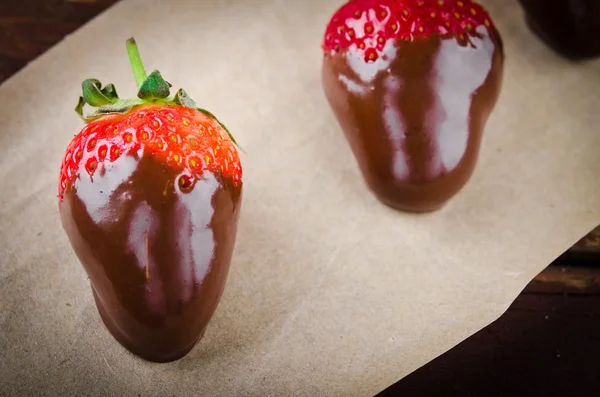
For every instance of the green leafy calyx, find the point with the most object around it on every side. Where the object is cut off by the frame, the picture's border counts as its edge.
(152, 88)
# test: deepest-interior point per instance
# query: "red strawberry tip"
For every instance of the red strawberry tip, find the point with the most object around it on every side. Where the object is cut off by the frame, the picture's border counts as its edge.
(367, 25)
(172, 129)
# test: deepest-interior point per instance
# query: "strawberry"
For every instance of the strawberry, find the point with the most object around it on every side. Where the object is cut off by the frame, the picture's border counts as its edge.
(149, 196)
(412, 83)
(570, 27)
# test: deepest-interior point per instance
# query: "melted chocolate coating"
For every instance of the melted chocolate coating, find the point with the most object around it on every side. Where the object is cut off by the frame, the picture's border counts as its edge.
(414, 118)
(570, 27)
(157, 255)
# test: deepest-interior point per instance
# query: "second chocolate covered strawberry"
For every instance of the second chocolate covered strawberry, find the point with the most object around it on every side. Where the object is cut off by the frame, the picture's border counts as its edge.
(412, 83)
(149, 195)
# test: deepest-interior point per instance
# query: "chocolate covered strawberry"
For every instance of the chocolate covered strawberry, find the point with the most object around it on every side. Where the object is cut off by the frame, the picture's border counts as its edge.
(412, 83)
(149, 195)
(570, 27)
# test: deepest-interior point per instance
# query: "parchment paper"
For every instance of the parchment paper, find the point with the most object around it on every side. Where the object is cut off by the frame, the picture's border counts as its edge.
(330, 293)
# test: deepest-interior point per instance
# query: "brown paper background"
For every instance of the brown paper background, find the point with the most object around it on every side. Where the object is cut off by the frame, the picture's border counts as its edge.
(330, 293)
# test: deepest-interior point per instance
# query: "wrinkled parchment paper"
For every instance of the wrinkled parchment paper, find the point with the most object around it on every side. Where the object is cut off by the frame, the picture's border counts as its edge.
(330, 293)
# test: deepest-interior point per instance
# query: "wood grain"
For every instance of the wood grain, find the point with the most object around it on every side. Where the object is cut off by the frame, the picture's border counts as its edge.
(30, 27)
(546, 344)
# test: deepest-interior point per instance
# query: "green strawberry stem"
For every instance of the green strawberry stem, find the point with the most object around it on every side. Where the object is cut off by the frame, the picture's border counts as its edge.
(151, 89)
(136, 62)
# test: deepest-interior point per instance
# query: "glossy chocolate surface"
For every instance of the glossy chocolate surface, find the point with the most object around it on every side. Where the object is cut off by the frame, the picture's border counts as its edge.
(157, 255)
(570, 27)
(415, 117)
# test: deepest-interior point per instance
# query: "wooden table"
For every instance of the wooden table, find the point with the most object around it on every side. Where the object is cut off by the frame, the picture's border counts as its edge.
(546, 344)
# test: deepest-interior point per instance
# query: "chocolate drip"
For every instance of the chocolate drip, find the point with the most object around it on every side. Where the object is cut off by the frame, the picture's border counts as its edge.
(157, 255)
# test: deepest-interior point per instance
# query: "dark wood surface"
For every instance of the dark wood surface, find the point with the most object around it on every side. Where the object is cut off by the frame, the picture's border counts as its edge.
(30, 27)
(546, 344)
